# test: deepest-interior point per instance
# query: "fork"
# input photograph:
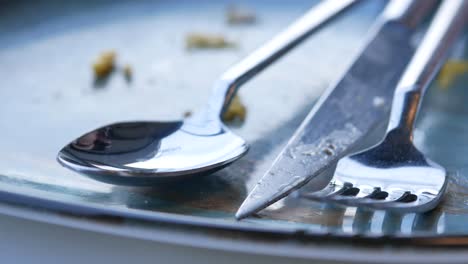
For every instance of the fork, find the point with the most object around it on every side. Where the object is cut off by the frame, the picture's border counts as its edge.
(394, 174)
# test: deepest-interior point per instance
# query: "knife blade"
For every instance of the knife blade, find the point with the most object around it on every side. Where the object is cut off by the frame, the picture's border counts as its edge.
(348, 110)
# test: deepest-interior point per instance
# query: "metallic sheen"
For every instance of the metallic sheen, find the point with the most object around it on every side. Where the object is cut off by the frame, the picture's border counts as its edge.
(204, 207)
(348, 110)
(394, 174)
(138, 153)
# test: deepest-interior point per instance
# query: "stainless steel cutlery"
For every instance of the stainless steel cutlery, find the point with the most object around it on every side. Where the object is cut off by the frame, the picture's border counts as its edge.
(348, 110)
(141, 153)
(394, 174)
(385, 82)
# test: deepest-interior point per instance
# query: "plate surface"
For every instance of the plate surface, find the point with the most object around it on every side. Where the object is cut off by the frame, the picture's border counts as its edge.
(50, 97)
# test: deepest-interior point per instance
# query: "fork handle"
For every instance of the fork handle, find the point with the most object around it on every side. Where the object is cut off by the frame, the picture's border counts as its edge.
(446, 25)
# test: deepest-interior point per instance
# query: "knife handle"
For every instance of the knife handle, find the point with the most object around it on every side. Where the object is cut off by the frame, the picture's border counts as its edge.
(445, 27)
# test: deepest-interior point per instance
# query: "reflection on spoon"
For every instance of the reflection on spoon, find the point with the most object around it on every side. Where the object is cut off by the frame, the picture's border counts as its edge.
(139, 153)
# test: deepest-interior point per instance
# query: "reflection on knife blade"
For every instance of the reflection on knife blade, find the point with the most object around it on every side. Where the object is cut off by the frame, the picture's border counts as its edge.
(348, 111)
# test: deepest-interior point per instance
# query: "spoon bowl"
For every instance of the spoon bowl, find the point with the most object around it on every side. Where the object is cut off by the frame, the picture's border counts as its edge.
(138, 153)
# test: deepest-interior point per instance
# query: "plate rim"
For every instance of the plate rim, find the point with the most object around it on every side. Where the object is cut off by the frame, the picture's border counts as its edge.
(132, 228)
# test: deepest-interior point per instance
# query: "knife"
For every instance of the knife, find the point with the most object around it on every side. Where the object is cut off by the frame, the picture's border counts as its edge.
(348, 110)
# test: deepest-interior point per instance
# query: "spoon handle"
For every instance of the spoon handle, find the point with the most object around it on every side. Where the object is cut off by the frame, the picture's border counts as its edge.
(238, 74)
(445, 27)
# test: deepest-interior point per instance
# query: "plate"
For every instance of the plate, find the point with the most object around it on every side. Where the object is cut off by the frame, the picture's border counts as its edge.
(50, 98)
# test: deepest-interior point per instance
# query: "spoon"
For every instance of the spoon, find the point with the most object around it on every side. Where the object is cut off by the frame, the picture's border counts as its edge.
(141, 153)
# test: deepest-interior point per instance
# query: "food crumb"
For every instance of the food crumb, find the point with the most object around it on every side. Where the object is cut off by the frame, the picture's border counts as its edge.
(128, 72)
(328, 152)
(236, 111)
(240, 16)
(207, 41)
(104, 64)
(187, 113)
(451, 70)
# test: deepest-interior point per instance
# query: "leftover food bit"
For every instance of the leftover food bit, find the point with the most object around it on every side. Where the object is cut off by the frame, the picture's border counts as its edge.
(236, 111)
(127, 72)
(104, 64)
(239, 16)
(207, 41)
(450, 71)
(187, 113)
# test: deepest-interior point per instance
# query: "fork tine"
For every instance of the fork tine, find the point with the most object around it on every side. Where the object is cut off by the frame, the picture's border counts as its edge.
(381, 197)
(395, 206)
(370, 196)
(377, 199)
(408, 202)
(368, 193)
(334, 188)
(395, 199)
